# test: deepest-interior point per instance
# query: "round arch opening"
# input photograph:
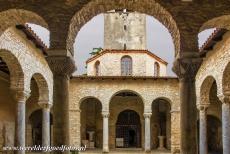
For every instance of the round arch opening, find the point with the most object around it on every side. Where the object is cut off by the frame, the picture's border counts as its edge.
(161, 124)
(128, 130)
(91, 123)
(126, 123)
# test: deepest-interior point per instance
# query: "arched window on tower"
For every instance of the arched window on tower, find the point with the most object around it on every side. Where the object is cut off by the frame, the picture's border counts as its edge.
(156, 69)
(126, 66)
(97, 68)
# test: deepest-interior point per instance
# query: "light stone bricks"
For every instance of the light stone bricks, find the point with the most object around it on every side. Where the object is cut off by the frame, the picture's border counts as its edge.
(105, 89)
(215, 67)
(124, 30)
(142, 64)
(32, 63)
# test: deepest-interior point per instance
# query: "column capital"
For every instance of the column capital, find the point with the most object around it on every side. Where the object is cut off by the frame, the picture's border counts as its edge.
(20, 95)
(45, 104)
(147, 115)
(61, 65)
(224, 99)
(187, 65)
(105, 114)
(202, 107)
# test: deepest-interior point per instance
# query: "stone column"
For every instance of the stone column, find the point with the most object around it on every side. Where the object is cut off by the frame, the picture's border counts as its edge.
(62, 68)
(186, 69)
(147, 132)
(203, 144)
(45, 123)
(21, 97)
(105, 132)
(226, 123)
(175, 131)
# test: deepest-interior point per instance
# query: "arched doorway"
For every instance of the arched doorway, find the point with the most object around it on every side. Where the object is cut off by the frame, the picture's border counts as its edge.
(126, 123)
(214, 135)
(35, 119)
(161, 124)
(128, 130)
(91, 123)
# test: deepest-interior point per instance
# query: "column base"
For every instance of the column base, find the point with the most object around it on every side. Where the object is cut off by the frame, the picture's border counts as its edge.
(105, 150)
(147, 151)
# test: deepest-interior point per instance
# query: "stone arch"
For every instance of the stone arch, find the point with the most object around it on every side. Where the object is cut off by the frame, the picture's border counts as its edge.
(149, 7)
(126, 90)
(226, 80)
(89, 97)
(91, 125)
(15, 69)
(168, 100)
(204, 91)
(13, 17)
(128, 125)
(43, 89)
(217, 22)
(161, 122)
(125, 100)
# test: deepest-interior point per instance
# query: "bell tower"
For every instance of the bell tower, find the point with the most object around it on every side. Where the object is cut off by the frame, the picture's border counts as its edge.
(124, 30)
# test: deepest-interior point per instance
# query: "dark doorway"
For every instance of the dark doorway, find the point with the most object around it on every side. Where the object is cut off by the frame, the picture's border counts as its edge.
(214, 134)
(128, 129)
(36, 123)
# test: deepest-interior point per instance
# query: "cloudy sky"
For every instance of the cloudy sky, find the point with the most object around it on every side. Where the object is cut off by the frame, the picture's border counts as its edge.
(90, 36)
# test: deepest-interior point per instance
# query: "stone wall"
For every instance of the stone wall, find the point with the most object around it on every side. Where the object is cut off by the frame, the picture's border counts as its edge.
(24, 62)
(110, 64)
(215, 66)
(124, 30)
(14, 43)
(105, 89)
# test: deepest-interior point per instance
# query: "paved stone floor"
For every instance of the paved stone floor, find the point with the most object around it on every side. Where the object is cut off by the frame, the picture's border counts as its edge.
(125, 151)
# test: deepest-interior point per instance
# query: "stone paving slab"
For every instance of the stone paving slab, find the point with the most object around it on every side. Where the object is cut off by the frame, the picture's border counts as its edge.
(128, 151)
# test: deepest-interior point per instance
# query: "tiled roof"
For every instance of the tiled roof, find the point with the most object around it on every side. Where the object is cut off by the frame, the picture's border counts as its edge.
(31, 35)
(214, 38)
(125, 51)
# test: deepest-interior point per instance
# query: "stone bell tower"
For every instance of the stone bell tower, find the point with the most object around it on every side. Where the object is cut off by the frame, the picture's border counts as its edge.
(124, 30)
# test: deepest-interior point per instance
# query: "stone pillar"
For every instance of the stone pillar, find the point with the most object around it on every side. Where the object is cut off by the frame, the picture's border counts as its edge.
(45, 123)
(186, 69)
(62, 67)
(226, 123)
(21, 97)
(105, 132)
(147, 132)
(175, 131)
(203, 144)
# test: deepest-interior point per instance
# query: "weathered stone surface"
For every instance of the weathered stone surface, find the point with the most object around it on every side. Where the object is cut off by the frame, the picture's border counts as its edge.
(105, 89)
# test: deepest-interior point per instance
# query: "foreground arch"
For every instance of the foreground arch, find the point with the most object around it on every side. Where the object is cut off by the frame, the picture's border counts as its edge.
(13, 17)
(149, 7)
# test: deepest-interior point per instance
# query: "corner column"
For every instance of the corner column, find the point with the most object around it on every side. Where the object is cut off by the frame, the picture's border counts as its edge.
(225, 123)
(203, 144)
(147, 132)
(20, 125)
(62, 68)
(105, 116)
(186, 69)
